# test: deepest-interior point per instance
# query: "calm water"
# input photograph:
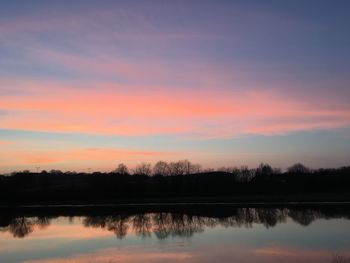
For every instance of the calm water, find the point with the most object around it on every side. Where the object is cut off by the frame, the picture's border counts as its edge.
(190, 234)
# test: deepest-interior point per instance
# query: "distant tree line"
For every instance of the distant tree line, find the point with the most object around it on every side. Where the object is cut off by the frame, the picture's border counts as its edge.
(180, 179)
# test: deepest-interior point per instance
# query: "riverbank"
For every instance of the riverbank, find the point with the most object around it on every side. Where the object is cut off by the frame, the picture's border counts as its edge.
(290, 199)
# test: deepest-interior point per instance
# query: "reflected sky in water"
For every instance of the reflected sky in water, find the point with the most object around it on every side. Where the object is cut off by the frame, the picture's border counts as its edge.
(246, 235)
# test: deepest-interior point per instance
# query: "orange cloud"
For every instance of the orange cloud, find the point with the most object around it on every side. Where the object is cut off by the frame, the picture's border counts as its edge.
(7, 143)
(86, 154)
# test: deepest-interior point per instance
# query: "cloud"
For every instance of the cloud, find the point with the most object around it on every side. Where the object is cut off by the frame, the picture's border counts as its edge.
(6, 143)
(115, 109)
(43, 157)
(122, 82)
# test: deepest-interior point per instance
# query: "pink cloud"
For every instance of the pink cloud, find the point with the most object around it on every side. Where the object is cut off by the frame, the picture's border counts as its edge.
(111, 109)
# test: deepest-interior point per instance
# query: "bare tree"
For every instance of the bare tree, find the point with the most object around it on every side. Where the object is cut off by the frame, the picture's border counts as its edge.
(298, 168)
(183, 167)
(143, 169)
(175, 169)
(264, 169)
(122, 169)
(161, 168)
(196, 168)
(186, 166)
(245, 174)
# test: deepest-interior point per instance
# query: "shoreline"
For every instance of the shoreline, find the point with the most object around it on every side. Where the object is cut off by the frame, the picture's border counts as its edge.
(242, 200)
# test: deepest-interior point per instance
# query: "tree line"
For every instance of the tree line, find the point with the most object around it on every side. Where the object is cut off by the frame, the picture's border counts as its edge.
(185, 167)
(180, 180)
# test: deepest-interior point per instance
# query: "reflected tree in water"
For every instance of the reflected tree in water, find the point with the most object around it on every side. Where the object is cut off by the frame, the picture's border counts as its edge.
(117, 224)
(339, 259)
(184, 224)
(142, 224)
(305, 217)
(22, 226)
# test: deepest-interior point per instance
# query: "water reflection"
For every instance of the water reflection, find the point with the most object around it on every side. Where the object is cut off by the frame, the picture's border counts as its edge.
(177, 223)
(23, 226)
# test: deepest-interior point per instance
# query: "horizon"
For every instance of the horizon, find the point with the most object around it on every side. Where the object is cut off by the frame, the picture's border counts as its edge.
(196, 167)
(91, 84)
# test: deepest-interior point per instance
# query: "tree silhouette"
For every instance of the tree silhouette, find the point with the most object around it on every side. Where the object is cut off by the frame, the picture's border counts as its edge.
(161, 168)
(143, 169)
(264, 169)
(298, 168)
(187, 182)
(122, 169)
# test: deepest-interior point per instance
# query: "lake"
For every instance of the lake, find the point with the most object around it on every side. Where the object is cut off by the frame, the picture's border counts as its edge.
(168, 233)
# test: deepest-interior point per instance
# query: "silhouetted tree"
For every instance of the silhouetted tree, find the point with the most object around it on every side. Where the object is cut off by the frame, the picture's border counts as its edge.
(143, 169)
(264, 169)
(196, 168)
(181, 167)
(245, 174)
(55, 172)
(298, 168)
(161, 168)
(176, 169)
(122, 169)
(186, 166)
(185, 182)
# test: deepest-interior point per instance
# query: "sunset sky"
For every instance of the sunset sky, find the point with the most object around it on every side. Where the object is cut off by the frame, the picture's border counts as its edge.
(90, 84)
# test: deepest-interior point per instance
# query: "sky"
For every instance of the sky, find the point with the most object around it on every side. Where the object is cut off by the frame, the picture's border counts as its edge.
(90, 84)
